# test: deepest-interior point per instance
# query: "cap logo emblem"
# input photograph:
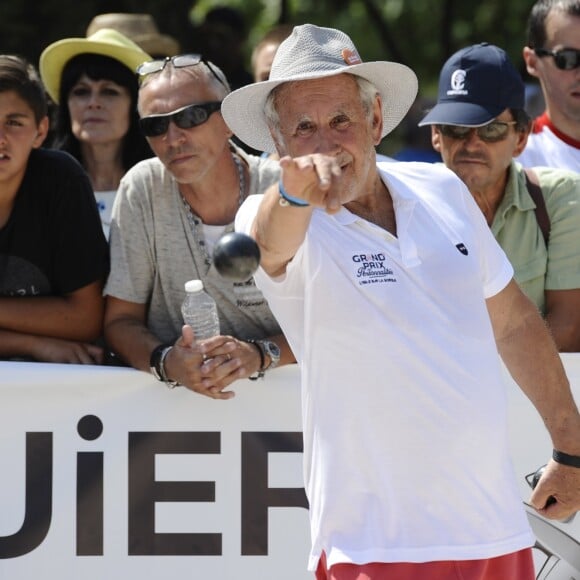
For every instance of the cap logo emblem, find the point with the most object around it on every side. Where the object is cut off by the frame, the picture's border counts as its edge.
(458, 83)
(350, 57)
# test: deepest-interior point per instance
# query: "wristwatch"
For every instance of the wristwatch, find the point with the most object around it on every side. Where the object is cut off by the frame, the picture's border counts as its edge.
(271, 349)
(157, 364)
(265, 348)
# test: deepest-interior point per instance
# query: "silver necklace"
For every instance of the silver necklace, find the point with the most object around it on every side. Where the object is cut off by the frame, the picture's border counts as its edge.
(195, 222)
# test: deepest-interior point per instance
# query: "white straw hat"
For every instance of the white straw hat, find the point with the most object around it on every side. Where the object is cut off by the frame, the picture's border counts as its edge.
(312, 52)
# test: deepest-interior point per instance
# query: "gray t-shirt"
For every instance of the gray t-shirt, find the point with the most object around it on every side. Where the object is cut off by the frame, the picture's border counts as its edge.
(154, 252)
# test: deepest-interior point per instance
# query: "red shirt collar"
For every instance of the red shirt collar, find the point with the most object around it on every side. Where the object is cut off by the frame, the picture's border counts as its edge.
(544, 121)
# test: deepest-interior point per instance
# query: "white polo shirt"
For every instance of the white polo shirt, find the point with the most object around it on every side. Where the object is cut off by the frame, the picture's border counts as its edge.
(405, 446)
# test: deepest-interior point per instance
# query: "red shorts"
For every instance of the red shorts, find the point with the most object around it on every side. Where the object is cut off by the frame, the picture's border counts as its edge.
(516, 566)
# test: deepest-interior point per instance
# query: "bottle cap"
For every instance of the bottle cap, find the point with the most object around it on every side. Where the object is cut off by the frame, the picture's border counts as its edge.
(193, 286)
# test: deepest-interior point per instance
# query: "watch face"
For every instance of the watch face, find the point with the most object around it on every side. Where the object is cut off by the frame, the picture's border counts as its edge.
(273, 350)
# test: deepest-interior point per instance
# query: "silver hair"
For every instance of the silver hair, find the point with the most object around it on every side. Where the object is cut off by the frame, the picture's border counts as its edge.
(200, 71)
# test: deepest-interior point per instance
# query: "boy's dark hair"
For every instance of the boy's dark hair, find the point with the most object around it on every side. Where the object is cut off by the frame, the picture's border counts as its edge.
(18, 75)
(536, 29)
(98, 67)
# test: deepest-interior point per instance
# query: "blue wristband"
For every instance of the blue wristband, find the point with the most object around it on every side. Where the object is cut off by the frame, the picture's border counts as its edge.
(290, 200)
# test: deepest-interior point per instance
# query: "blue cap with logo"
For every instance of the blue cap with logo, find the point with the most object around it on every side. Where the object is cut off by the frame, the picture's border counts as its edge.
(476, 84)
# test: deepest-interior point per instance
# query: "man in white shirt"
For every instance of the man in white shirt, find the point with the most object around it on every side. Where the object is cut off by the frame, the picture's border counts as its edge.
(553, 56)
(395, 299)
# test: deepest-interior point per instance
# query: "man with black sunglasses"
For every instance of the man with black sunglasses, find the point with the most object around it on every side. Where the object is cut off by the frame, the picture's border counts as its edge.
(479, 125)
(169, 213)
(552, 55)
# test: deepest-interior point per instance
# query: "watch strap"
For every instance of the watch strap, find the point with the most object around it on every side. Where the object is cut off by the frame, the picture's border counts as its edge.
(273, 351)
(259, 374)
(157, 364)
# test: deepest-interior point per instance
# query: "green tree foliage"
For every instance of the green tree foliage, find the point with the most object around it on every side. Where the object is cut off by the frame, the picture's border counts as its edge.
(419, 33)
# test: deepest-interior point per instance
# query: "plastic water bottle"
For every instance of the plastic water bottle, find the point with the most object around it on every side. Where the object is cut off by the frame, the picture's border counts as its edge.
(199, 310)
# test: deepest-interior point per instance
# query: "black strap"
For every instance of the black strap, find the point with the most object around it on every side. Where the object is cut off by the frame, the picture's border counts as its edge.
(565, 459)
(541, 212)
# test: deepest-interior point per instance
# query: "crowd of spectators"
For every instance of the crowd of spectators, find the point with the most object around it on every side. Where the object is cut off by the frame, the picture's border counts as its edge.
(97, 113)
(123, 162)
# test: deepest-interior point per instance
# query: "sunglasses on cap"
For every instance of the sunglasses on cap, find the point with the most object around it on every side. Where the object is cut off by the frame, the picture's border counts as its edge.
(185, 118)
(490, 133)
(179, 61)
(564, 59)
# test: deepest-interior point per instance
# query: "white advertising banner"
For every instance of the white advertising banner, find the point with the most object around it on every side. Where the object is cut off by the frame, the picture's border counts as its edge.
(105, 473)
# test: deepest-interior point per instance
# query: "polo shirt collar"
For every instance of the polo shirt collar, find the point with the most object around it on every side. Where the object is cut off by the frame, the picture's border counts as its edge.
(515, 196)
(345, 217)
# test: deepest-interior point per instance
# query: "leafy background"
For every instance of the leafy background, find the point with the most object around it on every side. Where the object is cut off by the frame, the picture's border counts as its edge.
(419, 33)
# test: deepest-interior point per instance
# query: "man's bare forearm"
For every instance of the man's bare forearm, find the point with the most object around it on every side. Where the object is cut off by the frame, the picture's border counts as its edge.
(279, 231)
(531, 356)
(132, 341)
(78, 316)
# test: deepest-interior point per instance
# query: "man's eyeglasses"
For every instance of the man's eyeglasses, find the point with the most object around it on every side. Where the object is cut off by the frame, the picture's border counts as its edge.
(178, 61)
(490, 133)
(564, 59)
(185, 118)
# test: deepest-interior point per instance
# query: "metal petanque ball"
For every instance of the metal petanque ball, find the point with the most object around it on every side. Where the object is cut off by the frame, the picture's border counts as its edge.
(236, 256)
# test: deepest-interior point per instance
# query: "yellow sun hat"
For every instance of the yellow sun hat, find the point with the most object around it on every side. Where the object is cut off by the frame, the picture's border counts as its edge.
(106, 42)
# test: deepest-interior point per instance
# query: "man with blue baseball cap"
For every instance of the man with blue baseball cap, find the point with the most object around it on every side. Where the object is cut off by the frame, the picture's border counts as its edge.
(479, 125)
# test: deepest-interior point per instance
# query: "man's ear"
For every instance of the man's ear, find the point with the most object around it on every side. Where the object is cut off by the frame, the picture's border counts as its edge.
(531, 60)
(378, 120)
(435, 139)
(522, 140)
(41, 132)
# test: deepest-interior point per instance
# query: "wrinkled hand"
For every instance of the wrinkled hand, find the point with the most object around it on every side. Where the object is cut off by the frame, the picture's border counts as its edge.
(209, 366)
(563, 484)
(314, 178)
(56, 350)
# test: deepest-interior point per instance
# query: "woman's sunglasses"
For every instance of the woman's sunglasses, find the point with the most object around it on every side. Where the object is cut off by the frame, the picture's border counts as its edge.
(490, 133)
(185, 118)
(565, 59)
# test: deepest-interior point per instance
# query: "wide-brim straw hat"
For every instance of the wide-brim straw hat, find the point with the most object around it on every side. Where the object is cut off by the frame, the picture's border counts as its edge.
(107, 42)
(140, 28)
(312, 52)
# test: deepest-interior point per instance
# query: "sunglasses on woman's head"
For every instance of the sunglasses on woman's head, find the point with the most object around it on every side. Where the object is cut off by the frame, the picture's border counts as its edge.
(564, 59)
(178, 61)
(490, 133)
(185, 118)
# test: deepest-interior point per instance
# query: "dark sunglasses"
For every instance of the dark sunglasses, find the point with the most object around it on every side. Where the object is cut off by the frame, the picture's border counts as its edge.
(184, 118)
(178, 61)
(490, 133)
(565, 59)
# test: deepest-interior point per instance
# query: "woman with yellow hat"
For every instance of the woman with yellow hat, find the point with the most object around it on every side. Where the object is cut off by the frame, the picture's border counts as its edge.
(93, 82)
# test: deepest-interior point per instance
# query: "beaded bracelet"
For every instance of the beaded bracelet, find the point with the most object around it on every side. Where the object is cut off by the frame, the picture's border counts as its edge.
(287, 199)
(565, 459)
(259, 374)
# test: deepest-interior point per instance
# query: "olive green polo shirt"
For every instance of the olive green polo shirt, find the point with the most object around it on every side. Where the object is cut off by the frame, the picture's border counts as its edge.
(515, 227)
